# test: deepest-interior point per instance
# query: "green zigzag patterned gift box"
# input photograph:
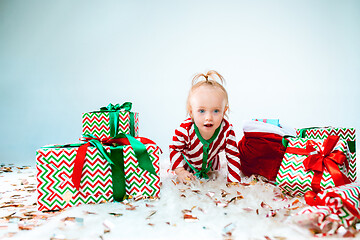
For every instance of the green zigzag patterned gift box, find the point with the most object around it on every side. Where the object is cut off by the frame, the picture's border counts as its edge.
(54, 172)
(99, 123)
(293, 178)
(340, 204)
(347, 134)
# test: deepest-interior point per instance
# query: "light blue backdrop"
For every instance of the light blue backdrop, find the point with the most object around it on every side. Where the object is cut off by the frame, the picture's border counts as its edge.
(294, 60)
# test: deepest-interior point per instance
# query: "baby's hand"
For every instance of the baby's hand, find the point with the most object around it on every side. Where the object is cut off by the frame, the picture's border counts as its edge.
(183, 175)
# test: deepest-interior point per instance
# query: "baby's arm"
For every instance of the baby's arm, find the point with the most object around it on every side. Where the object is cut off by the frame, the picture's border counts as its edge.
(177, 148)
(233, 157)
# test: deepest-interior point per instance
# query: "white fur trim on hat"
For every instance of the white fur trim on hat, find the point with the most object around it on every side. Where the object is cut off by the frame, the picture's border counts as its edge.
(257, 126)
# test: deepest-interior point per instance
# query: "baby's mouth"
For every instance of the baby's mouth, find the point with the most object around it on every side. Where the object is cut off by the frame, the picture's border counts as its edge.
(208, 125)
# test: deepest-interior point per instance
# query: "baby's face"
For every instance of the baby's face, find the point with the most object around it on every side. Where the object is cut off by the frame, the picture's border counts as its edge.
(207, 109)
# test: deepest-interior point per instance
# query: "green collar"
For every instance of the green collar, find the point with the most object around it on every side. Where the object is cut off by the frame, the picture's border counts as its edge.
(202, 140)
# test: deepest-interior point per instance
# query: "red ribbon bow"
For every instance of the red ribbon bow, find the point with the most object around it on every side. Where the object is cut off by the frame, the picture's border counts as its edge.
(320, 159)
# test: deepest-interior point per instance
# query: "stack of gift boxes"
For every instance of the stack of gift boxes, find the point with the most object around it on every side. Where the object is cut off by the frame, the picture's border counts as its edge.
(320, 164)
(110, 164)
(316, 163)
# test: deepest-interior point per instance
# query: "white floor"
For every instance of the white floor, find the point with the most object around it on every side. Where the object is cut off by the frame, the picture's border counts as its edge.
(207, 210)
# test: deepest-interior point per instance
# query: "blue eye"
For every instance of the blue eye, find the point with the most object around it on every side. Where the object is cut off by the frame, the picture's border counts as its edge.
(201, 111)
(216, 111)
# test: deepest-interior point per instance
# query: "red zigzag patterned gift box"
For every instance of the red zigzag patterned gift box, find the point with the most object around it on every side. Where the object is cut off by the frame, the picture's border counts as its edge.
(313, 165)
(347, 134)
(111, 120)
(340, 205)
(55, 168)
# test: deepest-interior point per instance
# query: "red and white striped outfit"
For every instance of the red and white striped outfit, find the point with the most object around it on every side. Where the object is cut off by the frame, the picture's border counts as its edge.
(185, 141)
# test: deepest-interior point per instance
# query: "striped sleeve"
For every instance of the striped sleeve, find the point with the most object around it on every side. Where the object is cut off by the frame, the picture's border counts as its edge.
(233, 157)
(178, 146)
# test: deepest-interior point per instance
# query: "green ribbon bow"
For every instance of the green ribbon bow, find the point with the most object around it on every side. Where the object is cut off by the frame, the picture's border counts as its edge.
(125, 106)
(205, 168)
(114, 117)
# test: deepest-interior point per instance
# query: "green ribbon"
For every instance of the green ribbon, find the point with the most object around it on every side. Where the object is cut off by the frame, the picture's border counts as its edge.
(285, 141)
(117, 167)
(199, 173)
(206, 144)
(116, 159)
(93, 141)
(114, 117)
(97, 144)
(118, 173)
(140, 152)
(302, 132)
(352, 147)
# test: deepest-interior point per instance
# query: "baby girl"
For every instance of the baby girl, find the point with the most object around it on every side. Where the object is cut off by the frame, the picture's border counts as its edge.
(200, 138)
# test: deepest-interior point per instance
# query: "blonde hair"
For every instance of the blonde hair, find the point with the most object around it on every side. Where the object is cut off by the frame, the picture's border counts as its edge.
(210, 80)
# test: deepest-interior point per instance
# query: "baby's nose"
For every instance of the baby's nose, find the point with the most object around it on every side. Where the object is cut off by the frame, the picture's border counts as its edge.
(208, 116)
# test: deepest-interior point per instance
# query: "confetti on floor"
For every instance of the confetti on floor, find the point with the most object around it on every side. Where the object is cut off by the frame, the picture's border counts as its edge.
(210, 209)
